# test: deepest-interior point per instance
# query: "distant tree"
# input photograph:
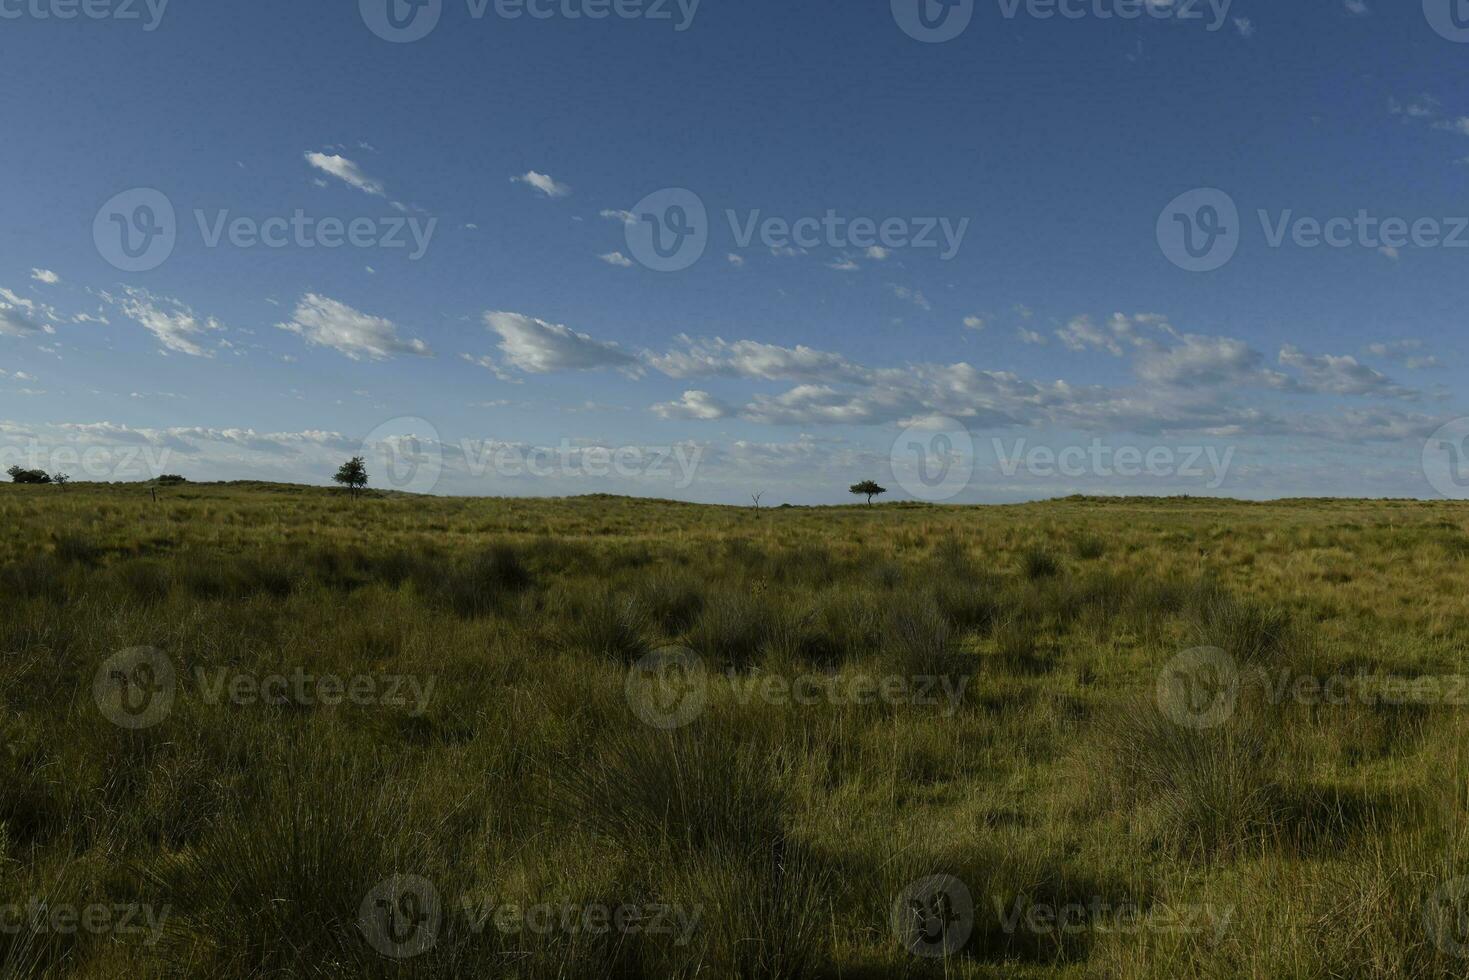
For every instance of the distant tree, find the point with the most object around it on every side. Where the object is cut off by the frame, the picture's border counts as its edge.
(868, 489)
(170, 479)
(352, 475)
(756, 497)
(19, 475)
(61, 479)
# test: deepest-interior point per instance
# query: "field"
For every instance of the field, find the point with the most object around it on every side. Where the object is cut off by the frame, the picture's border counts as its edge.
(260, 731)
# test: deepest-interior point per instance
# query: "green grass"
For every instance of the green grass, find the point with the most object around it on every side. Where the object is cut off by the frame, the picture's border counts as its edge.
(882, 694)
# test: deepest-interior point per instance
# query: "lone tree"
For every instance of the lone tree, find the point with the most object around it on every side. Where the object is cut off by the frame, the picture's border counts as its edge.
(61, 479)
(352, 475)
(868, 489)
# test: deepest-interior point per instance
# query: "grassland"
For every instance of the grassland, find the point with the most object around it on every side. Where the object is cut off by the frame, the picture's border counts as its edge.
(244, 832)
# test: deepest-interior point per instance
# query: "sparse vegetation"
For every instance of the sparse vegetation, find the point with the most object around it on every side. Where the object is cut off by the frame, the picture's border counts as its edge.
(1317, 834)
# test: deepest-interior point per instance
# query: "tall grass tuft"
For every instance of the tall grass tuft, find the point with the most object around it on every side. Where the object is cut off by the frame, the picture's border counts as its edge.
(733, 631)
(276, 888)
(1202, 793)
(1037, 563)
(607, 624)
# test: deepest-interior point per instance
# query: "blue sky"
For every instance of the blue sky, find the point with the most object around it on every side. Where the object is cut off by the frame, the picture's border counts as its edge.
(517, 148)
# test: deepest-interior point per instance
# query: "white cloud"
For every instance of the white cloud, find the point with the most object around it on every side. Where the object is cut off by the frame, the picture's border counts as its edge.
(877, 253)
(45, 276)
(617, 259)
(1407, 351)
(20, 317)
(537, 347)
(325, 322)
(693, 405)
(1357, 8)
(1185, 383)
(175, 325)
(488, 363)
(738, 261)
(1200, 361)
(974, 322)
(625, 217)
(347, 171)
(913, 296)
(821, 404)
(1340, 375)
(1244, 26)
(1421, 107)
(753, 359)
(1082, 334)
(1028, 336)
(1389, 251)
(543, 183)
(843, 264)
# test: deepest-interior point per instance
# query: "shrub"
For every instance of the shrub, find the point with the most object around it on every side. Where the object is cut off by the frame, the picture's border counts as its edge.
(20, 475)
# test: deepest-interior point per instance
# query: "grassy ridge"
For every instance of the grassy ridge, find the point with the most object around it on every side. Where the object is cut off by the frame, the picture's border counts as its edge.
(1021, 747)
